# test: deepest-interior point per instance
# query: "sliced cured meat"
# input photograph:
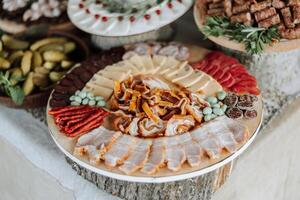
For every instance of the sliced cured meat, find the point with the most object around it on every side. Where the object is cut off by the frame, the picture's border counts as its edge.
(247, 83)
(234, 113)
(208, 142)
(214, 70)
(249, 114)
(191, 148)
(219, 74)
(240, 132)
(214, 55)
(95, 143)
(175, 154)
(230, 82)
(156, 158)
(221, 132)
(138, 157)
(119, 151)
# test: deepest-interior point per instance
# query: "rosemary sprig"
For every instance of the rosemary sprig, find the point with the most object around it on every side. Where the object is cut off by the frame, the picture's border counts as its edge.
(253, 38)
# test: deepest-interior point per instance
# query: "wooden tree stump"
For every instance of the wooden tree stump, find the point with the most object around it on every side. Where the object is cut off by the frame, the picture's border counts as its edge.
(198, 188)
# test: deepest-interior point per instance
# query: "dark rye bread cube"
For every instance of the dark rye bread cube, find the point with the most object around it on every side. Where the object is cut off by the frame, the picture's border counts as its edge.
(266, 23)
(278, 4)
(287, 17)
(241, 8)
(260, 6)
(264, 14)
(296, 14)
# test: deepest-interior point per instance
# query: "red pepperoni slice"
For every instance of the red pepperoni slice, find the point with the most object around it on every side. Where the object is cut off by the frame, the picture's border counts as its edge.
(245, 84)
(214, 70)
(247, 79)
(213, 55)
(208, 68)
(200, 65)
(227, 84)
(219, 75)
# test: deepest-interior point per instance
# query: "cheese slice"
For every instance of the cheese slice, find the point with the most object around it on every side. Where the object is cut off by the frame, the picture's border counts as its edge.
(134, 69)
(98, 90)
(148, 64)
(171, 63)
(159, 61)
(176, 70)
(114, 75)
(201, 84)
(137, 62)
(102, 81)
(183, 73)
(191, 79)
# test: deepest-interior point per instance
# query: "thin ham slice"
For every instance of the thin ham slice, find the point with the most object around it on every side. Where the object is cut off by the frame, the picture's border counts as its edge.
(207, 141)
(156, 158)
(175, 154)
(119, 151)
(138, 157)
(95, 143)
(191, 148)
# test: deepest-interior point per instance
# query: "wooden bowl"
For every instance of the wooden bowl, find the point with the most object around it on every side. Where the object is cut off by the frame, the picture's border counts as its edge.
(199, 16)
(40, 99)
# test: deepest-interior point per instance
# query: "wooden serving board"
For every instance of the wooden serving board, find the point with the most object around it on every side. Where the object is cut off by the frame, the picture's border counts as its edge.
(199, 16)
(164, 175)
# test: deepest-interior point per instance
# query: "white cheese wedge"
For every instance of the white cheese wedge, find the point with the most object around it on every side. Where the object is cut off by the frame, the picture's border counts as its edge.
(173, 71)
(170, 64)
(201, 84)
(114, 75)
(99, 90)
(159, 61)
(102, 81)
(183, 73)
(134, 69)
(148, 64)
(191, 79)
(137, 62)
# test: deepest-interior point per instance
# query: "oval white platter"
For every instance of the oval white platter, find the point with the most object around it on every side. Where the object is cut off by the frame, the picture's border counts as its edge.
(88, 17)
(66, 145)
(282, 46)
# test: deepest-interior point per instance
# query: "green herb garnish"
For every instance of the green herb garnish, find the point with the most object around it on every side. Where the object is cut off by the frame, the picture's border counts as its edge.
(253, 38)
(14, 91)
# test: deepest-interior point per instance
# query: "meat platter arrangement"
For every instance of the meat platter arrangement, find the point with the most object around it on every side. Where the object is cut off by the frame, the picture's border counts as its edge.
(145, 112)
(251, 22)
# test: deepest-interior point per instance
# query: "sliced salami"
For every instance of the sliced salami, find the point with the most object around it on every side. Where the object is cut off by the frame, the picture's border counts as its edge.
(245, 105)
(231, 100)
(250, 114)
(234, 113)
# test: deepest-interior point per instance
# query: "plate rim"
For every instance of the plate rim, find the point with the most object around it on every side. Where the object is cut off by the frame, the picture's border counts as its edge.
(164, 179)
(154, 28)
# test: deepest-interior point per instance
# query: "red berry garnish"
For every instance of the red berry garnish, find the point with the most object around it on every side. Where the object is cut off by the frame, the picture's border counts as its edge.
(158, 12)
(147, 17)
(87, 10)
(81, 5)
(170, 5)
(104, 19)
(180, 1)
(132, 18)
(97, 16)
